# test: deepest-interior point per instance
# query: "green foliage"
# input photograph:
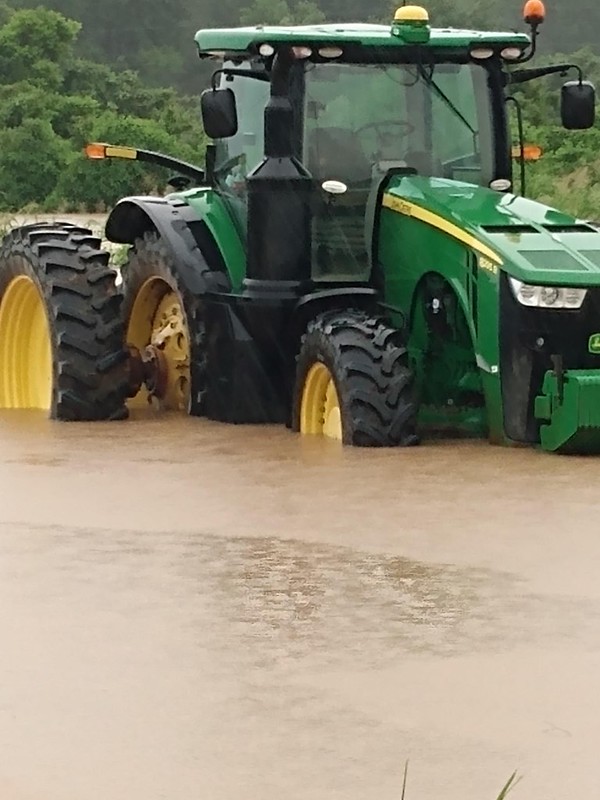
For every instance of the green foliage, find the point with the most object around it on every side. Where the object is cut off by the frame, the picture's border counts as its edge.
(52, 104)
(154, 37)
(31, 160)
(78, 70)
(278, 12)
(509, 786)
(265, 12)
(35, 45)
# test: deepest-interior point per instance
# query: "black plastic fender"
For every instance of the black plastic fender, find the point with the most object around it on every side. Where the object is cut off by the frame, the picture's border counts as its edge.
(175, 221)
(311, 305)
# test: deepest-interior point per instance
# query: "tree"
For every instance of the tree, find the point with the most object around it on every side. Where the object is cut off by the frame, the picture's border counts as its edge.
(31, 161)
(35, 46)
(52, 103)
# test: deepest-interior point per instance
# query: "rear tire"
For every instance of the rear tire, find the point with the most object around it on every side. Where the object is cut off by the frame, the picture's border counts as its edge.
(353, 382)
(61, 331)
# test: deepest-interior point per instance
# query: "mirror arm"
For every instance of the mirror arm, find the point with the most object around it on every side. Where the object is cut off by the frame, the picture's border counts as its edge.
(523, 75)
(241, 73)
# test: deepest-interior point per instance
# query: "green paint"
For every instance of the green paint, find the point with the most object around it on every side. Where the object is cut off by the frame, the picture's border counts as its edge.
(533, 253)
(448, 381)
(570, 414)
(415, 254)
(211, 208)
(413, 32)
(244, 39)
(459, 362)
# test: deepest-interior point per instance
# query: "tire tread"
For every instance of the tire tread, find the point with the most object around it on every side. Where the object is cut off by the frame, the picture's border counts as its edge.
(373, 379)
(83, 304)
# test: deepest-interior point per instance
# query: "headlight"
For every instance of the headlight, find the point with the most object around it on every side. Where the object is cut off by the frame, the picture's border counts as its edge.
(547, 296)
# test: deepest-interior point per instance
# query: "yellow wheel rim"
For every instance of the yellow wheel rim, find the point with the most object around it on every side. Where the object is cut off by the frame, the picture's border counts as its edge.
(157, 319)
(25, 347)
(320, 411)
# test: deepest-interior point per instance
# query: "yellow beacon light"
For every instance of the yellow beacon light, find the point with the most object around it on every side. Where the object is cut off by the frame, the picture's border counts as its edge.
(411, 14)
(411, 24)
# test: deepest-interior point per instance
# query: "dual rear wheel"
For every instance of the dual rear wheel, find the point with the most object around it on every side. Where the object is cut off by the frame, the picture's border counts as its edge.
(64, 324)
(61, 331)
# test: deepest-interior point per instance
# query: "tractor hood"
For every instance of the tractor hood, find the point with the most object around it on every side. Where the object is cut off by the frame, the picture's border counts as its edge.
(529, 240)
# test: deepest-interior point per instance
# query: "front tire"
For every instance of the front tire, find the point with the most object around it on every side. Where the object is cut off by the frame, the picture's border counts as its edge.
(353, 382)
(61, 331)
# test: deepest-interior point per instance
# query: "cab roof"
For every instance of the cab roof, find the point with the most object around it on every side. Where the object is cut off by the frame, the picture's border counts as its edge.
(216, 41)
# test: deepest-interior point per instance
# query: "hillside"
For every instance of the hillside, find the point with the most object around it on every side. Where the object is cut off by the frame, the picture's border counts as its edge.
(75, 70)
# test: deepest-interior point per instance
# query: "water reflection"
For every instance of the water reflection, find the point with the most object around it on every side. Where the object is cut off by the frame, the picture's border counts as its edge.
(258, 599)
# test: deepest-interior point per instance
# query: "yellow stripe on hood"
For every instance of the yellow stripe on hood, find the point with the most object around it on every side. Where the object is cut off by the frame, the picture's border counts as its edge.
(429, 218)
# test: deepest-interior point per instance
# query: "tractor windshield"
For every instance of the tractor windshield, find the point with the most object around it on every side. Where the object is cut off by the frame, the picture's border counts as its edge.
(362, 118)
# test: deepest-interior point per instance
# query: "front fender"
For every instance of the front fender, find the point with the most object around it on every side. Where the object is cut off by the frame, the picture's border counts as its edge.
(310, 305)
(132, 217)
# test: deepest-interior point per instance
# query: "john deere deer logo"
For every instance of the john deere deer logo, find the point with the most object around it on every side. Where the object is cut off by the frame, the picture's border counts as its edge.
(594, 343)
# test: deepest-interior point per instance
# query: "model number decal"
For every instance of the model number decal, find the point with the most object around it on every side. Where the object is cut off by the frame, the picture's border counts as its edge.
(488, 265)
(401, 206)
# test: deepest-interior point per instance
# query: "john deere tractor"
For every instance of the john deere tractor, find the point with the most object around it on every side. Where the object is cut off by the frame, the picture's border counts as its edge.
(352, 261)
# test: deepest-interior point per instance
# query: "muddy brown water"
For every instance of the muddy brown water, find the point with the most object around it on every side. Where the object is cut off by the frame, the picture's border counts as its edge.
(190, 610)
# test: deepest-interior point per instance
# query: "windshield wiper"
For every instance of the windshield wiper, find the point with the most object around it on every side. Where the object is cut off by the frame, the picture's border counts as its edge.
(444, 97)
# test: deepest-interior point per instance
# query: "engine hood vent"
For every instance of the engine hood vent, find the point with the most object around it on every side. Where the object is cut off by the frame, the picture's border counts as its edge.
(580, 228)
(509, 229)
(525, 228)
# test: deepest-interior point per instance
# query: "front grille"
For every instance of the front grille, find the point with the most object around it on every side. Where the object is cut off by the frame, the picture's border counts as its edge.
(529, 338)
(564, 332)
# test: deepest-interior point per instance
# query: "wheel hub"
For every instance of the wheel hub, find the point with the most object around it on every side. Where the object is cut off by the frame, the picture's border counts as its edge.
(163, 366)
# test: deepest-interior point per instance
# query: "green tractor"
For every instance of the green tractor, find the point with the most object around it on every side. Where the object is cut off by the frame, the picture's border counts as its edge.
(351, 262)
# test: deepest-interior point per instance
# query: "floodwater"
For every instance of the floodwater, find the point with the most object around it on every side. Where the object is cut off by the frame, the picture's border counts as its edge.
(190, 610)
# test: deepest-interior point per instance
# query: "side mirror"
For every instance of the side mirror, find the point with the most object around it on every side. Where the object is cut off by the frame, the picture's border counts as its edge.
(219, 114)
(578, 105)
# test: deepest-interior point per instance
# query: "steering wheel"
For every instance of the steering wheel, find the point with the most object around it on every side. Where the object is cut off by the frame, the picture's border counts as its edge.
(395, 127)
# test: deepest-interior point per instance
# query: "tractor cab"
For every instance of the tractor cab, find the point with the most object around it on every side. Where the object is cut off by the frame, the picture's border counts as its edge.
(367, 107)
(365, 122)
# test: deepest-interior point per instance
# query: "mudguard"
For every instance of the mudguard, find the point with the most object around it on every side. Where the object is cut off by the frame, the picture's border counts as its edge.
(311, 305)
(181, 228)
